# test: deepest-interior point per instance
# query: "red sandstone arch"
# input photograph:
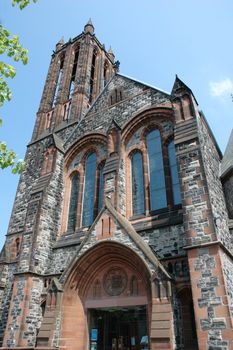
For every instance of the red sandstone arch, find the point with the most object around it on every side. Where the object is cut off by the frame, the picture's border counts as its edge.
(152, 115)
(81, 280)
(84, 142)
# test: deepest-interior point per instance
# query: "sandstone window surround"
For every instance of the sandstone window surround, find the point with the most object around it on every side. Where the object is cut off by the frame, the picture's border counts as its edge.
(85, 188)
(153, 185)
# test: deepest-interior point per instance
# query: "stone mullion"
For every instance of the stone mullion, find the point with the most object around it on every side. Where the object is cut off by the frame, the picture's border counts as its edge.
(65, 213)
(168, 179)
(96, 195)
(146, 179)
(80, 199)
(128, 187)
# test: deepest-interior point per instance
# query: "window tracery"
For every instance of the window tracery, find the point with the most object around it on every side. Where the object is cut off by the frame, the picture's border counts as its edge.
(154, 182)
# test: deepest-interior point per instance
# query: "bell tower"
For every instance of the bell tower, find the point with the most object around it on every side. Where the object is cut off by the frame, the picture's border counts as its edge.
(78, 71)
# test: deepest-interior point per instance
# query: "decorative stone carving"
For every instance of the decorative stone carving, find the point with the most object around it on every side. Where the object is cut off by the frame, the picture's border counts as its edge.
(115, 281)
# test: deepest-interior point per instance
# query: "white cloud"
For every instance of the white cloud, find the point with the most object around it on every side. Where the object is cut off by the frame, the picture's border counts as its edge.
(221, 88)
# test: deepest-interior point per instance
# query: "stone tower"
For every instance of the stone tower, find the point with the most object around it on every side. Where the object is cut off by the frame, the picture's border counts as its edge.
(119, 236)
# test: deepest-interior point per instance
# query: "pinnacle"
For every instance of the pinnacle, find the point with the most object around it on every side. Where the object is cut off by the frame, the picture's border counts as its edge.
(89, 28)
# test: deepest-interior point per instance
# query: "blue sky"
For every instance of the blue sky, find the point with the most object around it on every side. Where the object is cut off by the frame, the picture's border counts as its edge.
(153, 40)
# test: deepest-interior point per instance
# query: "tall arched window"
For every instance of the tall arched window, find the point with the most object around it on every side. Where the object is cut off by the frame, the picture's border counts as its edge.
(89, 190)
(100, 187)
(158, 199)
(137, 184)
(174, 173)
(73, 202)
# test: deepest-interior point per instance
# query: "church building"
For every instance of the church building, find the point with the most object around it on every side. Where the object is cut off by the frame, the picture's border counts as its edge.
(120, 236)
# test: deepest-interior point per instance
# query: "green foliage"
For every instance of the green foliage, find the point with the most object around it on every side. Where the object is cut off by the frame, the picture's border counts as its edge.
(7, 159)
(21, 3)
(11, 47)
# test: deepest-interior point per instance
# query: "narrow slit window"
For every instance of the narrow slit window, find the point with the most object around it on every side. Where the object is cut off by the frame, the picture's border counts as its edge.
(158, 199)
(174, 173)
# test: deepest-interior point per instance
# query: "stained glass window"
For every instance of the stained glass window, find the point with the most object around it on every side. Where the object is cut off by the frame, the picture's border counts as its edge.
(89, 190)
(137, 184)
(157, 186)
(73, 202)
(174, 173)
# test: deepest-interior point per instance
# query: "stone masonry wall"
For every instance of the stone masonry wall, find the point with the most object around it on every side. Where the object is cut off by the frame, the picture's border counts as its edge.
(228, 276)
(24, 309)
(50, 217)
(100, 115)
(6, 297)
(211, 162)
(31, 173)
(61, 259)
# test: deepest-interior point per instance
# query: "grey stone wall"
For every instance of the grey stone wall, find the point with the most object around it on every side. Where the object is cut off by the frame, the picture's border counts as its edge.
(50, 217)
(7, 278)
(211, 162)
(210, 299)
(167, 241)
(100, 115)
(61, 259)
(228, 276)
(34, 316)
(31, 173)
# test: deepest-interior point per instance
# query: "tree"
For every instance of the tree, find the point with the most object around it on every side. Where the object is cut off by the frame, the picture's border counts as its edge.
(11, 47)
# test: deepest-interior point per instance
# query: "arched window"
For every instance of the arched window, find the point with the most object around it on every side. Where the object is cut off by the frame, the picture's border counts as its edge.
(100, 187)
(137, 184)
(89, 190)
(158, 199)
(174, 173)
(73, 202)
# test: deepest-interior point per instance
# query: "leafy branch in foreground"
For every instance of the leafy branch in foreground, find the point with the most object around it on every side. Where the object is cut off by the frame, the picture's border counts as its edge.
(11, 47)
(22, 3)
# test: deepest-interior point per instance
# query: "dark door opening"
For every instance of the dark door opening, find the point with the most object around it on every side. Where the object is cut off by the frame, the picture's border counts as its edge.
(118, 328)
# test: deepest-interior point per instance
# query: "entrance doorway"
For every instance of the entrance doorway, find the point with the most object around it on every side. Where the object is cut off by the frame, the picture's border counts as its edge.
(118, 328)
